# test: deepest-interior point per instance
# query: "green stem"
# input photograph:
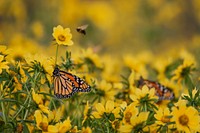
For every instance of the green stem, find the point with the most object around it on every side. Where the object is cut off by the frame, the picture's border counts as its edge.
(26, 113)
(108, 131)
(182, 88)
(20, 108)
(2, 104)
(56, 54)
(29, 102)
(3, 112)
(145, 106)
(54, 105)
(4, 90)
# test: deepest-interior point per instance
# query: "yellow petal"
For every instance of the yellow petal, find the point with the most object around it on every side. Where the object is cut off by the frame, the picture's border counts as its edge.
(109, 106)
(52, 129)
(1, 57)
(65, 126)
(100, 108)
(38, 117)
(67, 30)
(125, 128)
(44, 108)
(96, 115)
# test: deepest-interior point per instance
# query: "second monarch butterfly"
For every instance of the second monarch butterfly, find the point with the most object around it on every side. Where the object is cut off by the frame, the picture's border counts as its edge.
(66, 84)
(164, 93)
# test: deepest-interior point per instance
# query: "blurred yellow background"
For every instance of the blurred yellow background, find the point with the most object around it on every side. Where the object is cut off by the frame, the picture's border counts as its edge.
(114, 26)
(126, 40)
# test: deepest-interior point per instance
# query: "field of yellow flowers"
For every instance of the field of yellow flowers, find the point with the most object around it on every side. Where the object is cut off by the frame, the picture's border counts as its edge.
(135, 70)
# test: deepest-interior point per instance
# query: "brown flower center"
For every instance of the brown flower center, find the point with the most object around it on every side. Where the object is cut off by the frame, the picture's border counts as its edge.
(61, 38)
(165, 119)
(183, 119)
(128, 117)
(44, 126)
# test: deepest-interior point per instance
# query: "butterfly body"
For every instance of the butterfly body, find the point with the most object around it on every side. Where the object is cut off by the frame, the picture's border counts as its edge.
(67, 84)
(81, 29)
(164, 93)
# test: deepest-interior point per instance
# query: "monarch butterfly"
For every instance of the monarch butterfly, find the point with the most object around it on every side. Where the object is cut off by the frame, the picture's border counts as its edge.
(164, 93)
(81, 29)
(67, 84)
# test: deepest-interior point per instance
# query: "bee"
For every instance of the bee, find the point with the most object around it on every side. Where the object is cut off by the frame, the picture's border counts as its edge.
(81, 29)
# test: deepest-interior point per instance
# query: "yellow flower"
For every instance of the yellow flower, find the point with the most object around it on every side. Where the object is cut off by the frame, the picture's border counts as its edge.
(183, 70)
(91, 57)
(18, 85)
(39, 101)
(3, 64)
(85, 112)
(131, 80)
(86, 130)
(109, 108)
(74, 130)
(141, 93)
(4, 50)
(186, 118)
(46, 63)
(162, 116)
(41, 121)
(24, 46)
(134, 122)
(130, 111)
(58, 113)
(43, 108)
(52, 129)
(181, 102)
(30, 127)
(62, 36)
(106, 92)
(22, 73)
(64, 126)
(136, 64)
(37, 97)
(160, 64)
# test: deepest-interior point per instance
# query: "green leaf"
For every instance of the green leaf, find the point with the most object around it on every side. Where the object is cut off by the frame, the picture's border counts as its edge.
(25, 128)
(189, 84)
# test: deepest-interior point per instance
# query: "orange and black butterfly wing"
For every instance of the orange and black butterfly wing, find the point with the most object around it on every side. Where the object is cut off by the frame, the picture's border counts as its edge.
(82, 85)
(79, 84)
(164, 93)
(63, 86)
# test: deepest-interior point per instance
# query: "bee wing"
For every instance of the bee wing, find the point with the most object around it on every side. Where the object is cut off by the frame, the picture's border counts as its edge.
(83, 27)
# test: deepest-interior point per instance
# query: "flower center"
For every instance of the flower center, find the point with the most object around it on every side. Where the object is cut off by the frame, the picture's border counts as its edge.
(116, 124)
(183, 119)
(128, 117)
(44, 126)
(61, 38)
(165, 119)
